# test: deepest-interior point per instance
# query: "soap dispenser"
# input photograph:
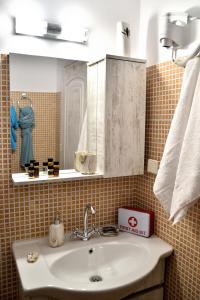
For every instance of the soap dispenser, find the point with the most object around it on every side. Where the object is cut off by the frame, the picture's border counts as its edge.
(56, 233)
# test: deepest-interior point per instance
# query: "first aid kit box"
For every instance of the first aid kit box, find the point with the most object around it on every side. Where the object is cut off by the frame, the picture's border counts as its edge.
(136, 221)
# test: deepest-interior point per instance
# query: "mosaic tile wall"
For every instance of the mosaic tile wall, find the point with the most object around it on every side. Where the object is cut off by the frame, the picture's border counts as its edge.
(45, 132)
(183, 267)
(27, 211)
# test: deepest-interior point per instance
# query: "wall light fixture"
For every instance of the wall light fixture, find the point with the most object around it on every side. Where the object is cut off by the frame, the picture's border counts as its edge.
(49, 30)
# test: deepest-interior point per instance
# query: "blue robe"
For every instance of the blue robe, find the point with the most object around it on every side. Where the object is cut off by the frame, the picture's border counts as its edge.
(13, 126)
(26, 123)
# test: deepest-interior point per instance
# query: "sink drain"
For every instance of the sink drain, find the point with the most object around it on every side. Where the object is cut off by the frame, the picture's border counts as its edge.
(96, 278)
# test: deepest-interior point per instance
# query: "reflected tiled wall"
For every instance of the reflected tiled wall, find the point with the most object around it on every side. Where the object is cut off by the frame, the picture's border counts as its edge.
(26, 212)
(45, 133)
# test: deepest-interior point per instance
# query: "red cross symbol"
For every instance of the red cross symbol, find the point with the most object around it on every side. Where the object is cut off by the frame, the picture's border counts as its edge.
(132, 221)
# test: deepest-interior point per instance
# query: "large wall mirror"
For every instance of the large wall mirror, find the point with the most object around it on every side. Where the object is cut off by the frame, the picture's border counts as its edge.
(56, 89)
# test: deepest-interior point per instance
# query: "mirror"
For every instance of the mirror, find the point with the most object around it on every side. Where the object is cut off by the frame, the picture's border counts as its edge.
(56, 89)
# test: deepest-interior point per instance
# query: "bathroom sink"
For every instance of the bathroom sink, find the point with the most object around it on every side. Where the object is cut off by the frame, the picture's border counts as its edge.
(84, 270)
(110, 262)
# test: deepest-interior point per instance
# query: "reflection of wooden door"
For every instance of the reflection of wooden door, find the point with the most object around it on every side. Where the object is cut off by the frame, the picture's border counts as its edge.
(74, 106)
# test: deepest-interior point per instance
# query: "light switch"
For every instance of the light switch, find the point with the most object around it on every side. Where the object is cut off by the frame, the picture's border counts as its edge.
(152, 166)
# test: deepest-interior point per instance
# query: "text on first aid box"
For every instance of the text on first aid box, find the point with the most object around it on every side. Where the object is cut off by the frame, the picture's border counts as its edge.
(136, 221)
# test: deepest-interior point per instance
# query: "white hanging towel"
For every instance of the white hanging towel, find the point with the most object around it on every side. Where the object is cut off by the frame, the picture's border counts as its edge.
(177, 184)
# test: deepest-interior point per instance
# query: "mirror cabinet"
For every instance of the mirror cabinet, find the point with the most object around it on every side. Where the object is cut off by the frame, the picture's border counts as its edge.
(96, 108)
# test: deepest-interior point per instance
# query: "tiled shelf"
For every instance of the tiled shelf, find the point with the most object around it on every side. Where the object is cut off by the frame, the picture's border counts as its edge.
(65, 175)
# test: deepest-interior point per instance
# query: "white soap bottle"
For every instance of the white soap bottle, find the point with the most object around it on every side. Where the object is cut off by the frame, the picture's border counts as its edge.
(56, 233)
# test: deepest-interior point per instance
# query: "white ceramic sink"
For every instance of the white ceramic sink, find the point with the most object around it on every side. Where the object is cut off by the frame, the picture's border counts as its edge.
(112, 261)
(69, 271)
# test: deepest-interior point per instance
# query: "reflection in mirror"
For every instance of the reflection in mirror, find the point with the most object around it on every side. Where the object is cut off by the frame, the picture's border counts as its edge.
(56, 89)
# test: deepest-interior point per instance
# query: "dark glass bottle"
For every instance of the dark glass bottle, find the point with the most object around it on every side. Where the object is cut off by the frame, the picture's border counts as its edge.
(50, 171)
(56, 167)
(31, 172)
(36, 169)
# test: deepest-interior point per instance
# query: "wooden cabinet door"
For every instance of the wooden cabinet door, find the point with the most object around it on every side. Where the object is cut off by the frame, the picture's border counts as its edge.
(116, 114)
(124, 118)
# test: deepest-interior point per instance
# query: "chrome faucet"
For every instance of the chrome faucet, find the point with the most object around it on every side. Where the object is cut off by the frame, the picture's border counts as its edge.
(86, 234)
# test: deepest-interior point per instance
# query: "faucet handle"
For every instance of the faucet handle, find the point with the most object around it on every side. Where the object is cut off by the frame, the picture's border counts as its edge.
(96, 231)
(74, 234)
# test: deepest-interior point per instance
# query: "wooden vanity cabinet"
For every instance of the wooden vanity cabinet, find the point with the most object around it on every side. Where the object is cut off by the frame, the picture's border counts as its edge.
(116, 92)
